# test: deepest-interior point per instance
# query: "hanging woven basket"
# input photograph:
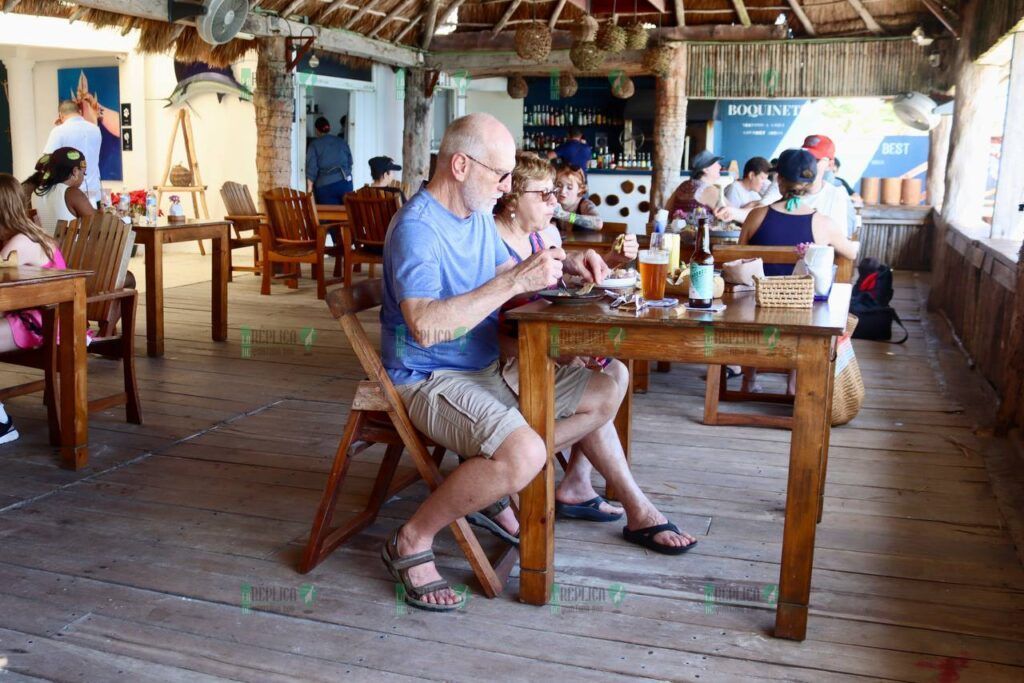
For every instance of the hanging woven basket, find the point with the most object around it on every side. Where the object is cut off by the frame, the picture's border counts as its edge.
(567, 85)
(585, 29)
(180, 176)
(636, 37)
(586, 56)
(611, 38)
(517, 87)
(533, 41)
(623, 87)
(658, 60)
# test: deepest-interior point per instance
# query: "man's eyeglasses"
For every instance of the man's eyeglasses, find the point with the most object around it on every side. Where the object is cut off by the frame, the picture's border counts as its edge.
(545, 195)
(502, 175)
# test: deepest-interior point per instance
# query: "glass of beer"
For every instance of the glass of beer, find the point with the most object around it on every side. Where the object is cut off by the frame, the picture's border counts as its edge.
(653, 272)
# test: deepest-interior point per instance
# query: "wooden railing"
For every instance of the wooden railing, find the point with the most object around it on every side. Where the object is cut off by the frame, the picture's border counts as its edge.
(898, 236)
(974, 285)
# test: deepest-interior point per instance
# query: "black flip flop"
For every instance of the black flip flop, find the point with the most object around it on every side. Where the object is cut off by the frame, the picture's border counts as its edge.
(479, 519)
(589, 510)
(645, 537)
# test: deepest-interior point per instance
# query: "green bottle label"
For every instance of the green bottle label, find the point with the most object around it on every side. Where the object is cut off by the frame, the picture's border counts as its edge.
(702, 282)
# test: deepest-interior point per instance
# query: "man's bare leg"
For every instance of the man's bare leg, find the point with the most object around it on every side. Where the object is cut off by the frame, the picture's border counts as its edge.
(474, 484)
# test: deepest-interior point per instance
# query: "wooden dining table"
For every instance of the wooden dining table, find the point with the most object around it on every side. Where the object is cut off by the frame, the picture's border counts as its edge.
(743, 334)
(33, 287)
(153, 237)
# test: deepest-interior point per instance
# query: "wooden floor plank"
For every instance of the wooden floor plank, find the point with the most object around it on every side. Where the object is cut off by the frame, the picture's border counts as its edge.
(135, 565)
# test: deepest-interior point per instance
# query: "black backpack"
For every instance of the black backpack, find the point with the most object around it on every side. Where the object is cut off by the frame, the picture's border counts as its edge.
(870, 303)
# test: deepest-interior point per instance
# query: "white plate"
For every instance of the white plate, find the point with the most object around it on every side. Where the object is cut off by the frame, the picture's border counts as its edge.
(618, 282)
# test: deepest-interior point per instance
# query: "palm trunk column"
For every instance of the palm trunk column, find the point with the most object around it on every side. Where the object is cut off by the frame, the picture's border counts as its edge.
(274, 100)
(669, 130)
(417, 133)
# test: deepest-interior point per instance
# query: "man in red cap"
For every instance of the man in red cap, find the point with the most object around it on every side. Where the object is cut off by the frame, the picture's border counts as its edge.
(824, 197)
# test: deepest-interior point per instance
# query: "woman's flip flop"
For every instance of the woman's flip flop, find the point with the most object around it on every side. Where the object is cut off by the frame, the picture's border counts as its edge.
(589, 510)
(645, 537)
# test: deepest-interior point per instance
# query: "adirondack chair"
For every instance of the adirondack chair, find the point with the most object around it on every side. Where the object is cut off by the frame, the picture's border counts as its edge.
(103, 244)
(716, 390)
(370, 211)
(378, 415)
(292, 236)
(245, 218)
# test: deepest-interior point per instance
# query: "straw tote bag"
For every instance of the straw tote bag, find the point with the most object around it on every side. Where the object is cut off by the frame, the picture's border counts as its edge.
(848, 390)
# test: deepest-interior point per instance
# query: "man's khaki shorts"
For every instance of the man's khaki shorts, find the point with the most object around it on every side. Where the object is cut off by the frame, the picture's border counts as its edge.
(472, 413)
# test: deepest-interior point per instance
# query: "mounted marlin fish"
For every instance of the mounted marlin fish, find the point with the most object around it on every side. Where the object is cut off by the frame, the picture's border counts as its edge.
(199, 78)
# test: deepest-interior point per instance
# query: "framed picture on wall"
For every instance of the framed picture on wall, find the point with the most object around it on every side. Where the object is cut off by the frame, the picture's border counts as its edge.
(97, 91)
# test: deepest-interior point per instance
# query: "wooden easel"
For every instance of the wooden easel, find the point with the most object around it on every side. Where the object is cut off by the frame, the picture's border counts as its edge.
(184, 123)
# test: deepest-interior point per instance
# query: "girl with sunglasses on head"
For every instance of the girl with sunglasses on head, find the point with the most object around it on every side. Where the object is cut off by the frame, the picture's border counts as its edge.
(58, 197)
(21, 329)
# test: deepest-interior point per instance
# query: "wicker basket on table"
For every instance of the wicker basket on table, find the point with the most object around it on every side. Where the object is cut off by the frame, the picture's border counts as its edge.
(784, 291)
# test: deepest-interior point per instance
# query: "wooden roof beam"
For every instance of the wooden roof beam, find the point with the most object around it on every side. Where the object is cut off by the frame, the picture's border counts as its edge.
(9, 5)
(356, 15)
(805, 21)
(442, 18)
(293, 8)
(680, 12)
(397, 10)
(430, 14)
(865, 16)
(741, 12)
(477, 41)
(553, 21)
(512, 7)
(940, 14)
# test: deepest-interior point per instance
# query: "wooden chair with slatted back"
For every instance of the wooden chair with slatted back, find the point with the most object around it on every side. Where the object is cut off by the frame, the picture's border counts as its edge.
(716, 390)
(378, 415)
(370, 211)
(245, 222)
(103, 244)
(294, 235)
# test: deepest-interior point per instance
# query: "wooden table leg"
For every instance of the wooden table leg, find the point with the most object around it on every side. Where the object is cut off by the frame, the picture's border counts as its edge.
(828, 433)
(155, 296)
(537, 500)
(803, 487)
(624, 427)
(74, 403)
(221, 272)
(641, 374)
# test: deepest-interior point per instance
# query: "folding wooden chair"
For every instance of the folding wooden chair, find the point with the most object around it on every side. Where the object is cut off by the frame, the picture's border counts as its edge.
(294, 236)
(245, 218)
(378, 415)
(101, 243)
(716, 391)
(370, 211)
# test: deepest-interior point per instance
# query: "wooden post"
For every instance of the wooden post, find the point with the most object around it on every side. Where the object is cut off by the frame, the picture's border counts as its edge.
(1011, 413)
(274, 100)
(417, 133)
(1008, 221)
(972, 125)
(938, 155)
(669, 130)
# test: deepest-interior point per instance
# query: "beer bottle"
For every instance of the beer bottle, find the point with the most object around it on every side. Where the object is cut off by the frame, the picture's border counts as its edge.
(702, 268)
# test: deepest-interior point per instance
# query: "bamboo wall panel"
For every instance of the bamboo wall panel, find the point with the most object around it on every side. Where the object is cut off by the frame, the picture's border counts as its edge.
(903, 245)
(995, 21)
(976, 289)
(810, 69)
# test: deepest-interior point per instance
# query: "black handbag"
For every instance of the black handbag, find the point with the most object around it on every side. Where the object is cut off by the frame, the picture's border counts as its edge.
(870, 303)
(875, 322)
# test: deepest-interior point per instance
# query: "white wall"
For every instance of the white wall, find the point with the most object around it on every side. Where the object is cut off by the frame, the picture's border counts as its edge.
(500, 105)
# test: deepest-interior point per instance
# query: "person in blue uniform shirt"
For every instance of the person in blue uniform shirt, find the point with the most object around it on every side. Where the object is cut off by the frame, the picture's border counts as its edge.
(574, 151)
(328, 165)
